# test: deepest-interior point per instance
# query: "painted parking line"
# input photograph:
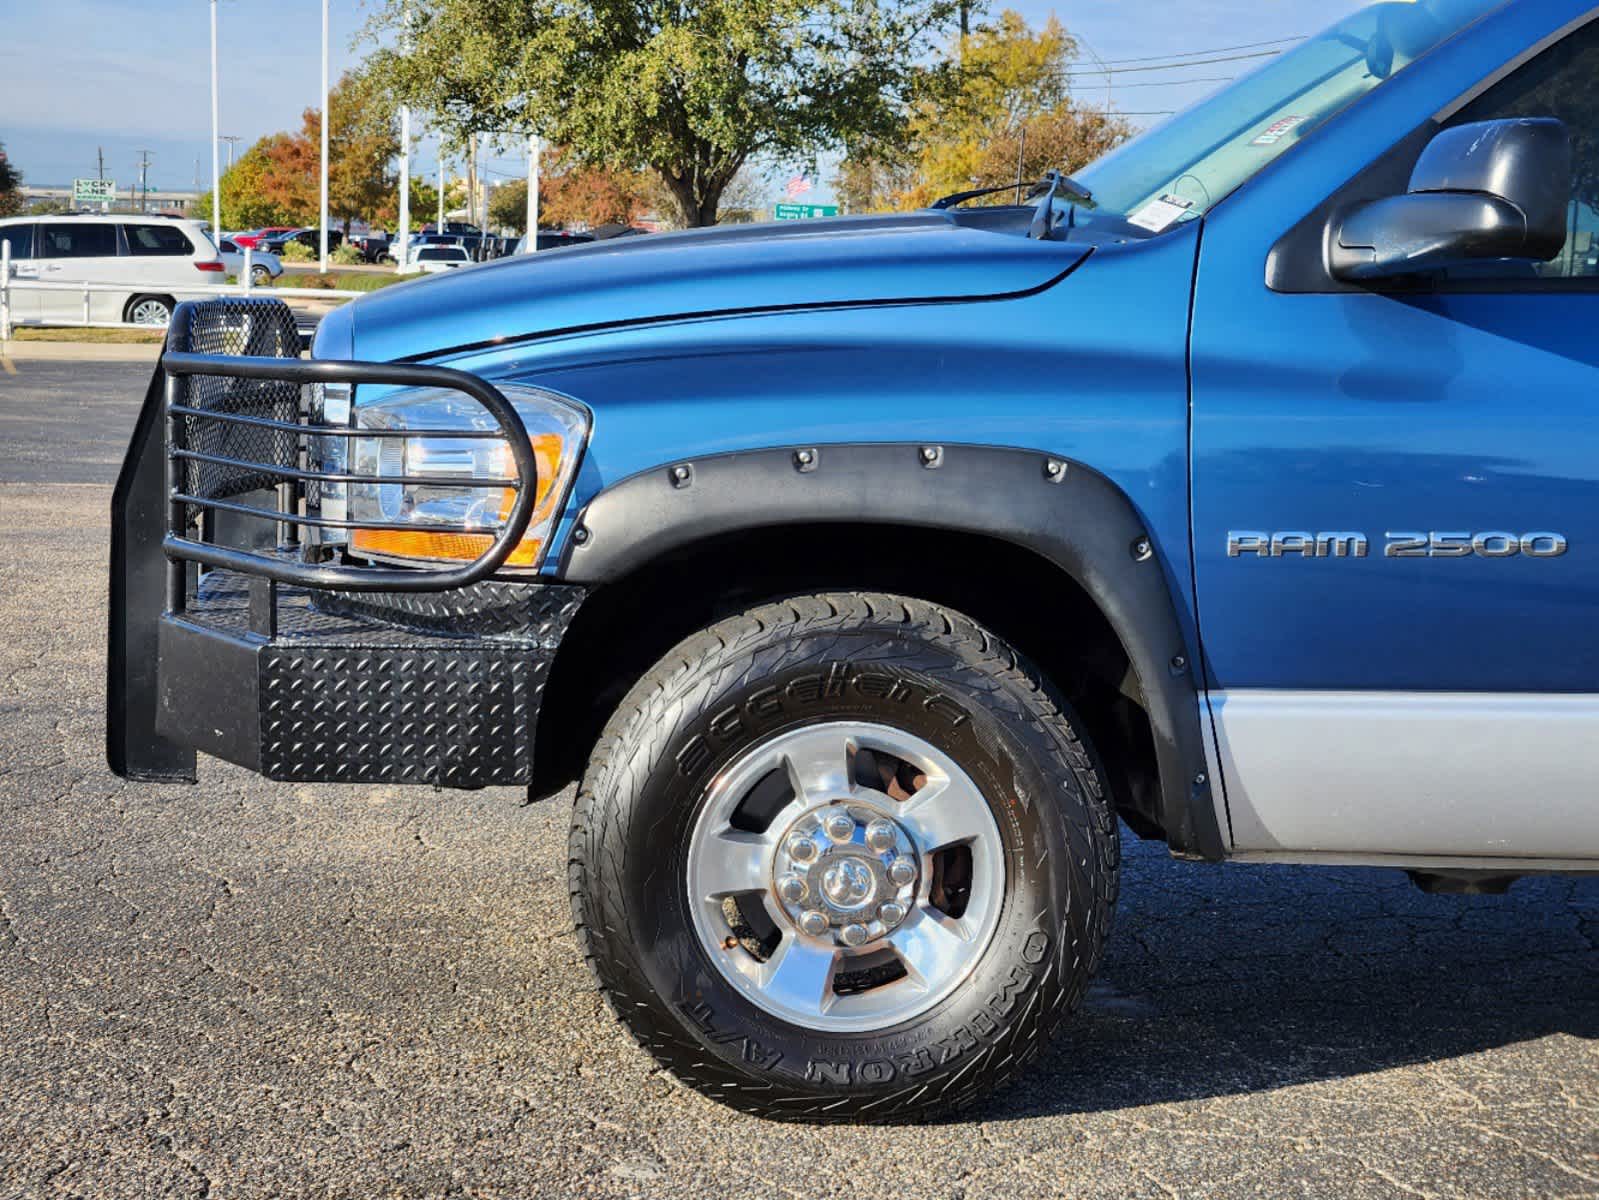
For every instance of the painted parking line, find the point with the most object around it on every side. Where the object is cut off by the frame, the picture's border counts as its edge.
(9, 367)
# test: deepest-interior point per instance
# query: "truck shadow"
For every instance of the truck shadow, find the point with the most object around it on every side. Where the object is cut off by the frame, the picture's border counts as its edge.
(1242, 979)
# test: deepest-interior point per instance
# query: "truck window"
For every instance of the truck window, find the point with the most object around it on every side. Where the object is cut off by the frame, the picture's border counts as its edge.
(1562, 82)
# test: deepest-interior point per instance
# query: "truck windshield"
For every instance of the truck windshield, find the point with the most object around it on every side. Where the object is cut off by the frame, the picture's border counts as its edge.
(1178, 170)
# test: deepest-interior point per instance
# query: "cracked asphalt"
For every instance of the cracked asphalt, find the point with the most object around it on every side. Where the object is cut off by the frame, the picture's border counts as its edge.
(246, 989)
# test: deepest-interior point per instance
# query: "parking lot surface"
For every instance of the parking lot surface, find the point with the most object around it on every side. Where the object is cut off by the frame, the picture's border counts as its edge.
(252, 989)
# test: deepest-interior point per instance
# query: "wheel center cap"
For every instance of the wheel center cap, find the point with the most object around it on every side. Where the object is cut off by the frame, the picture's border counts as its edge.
(848, 883)
(847, 872)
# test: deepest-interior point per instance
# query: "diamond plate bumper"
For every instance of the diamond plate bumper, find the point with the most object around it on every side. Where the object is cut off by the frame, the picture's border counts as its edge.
(441, 689)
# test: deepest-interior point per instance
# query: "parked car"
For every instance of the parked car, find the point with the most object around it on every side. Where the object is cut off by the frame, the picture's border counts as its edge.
(153, 261)
(264, 265)
(432, 258)
(311, 239)
(553, 239)
(375, 246)
(252, 238)
(864, 572)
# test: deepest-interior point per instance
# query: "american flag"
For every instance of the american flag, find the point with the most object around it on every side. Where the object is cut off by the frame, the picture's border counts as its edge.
(798, 186)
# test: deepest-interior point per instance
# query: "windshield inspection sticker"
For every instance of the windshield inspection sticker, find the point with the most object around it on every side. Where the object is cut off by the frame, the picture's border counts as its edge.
(1276, 131)
(1159, 215)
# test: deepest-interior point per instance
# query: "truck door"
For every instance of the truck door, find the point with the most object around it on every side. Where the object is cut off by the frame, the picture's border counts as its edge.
(1396, 498)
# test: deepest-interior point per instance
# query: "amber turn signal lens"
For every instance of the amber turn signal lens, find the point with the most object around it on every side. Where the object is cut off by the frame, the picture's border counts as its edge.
(419, 543)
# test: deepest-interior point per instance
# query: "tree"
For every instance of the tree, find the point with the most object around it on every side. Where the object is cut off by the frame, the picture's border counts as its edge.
(363, 141)
(277, 181)
(10, 186)
(424, 203)
(690, 92)
(574, 193)
(1001, 102)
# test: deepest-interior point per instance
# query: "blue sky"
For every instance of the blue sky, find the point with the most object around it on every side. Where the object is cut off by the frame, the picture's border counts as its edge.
(134, 74)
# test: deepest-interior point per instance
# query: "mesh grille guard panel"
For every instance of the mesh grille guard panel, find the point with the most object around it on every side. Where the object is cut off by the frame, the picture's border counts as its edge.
(237, 427)
(258, 328)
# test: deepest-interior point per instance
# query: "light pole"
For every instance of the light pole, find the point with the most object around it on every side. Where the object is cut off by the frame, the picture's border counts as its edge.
(439, 227)
(323, 232)
(216, 146)
(535, 147)
(232, 139)
(404, 232)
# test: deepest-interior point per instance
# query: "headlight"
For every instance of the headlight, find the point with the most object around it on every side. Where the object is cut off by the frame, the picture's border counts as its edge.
(557, 428)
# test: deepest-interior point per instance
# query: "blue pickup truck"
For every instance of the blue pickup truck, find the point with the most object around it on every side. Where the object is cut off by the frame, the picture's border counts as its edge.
(1241, 487)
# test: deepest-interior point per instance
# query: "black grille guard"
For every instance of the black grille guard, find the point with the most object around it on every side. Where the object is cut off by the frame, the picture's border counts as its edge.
(190, 415)
(225, 420)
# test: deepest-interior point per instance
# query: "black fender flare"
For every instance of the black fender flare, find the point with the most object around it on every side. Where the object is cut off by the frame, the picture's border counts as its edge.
(1062, 510)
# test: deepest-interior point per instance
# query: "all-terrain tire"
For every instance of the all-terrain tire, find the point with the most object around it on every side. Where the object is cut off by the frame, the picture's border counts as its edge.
(840, 657)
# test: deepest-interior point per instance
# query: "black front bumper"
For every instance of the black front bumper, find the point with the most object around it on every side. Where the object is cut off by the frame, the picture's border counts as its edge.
(227, 637)
(439, 689)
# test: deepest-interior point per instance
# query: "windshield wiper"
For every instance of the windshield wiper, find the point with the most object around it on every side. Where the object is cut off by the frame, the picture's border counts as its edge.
(1044, 215)
(954, 198)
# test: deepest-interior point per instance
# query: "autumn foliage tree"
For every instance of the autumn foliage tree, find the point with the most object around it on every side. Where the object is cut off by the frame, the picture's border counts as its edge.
(277, 180)
(574, 193)
(1001, 106)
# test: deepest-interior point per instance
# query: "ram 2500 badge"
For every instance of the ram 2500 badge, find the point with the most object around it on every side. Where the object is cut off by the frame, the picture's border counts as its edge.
(1243, 485)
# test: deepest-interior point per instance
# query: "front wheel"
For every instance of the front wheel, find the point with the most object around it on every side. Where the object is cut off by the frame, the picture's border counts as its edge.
(843, 857)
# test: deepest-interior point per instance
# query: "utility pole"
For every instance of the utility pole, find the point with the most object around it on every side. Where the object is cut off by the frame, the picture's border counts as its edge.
(144, 180)
(99, 152)
(216, 146)
(323, 232)
(439, 226)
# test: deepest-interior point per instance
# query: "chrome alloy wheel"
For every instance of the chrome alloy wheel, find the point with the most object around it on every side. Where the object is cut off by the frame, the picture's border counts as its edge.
(845, 876)
(150, 311)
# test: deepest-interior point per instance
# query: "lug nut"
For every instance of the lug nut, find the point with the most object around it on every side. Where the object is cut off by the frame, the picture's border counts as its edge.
(813, 923)
(902, 871)
(792, 888)
(840, 826)
(891, 913)
(802, 849)
(852, 935)
(880, 835)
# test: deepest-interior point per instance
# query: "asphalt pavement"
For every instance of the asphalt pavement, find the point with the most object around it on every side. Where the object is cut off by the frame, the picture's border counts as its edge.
(247, 989)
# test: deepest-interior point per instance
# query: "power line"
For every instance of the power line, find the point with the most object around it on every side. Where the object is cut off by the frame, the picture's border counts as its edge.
(1175, 82)
(1171, 66)
(1200, 53)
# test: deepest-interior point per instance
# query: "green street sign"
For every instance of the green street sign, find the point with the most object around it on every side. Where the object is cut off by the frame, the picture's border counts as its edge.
(799, 212)
(94, 191)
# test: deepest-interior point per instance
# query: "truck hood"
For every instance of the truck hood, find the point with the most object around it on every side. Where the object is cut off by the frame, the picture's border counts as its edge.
(914, 257)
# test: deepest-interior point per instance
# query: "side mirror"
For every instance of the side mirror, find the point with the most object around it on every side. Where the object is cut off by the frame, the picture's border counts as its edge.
(1489, 190)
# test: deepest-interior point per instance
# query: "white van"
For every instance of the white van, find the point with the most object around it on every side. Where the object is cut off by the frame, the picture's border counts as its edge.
(151, 259)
